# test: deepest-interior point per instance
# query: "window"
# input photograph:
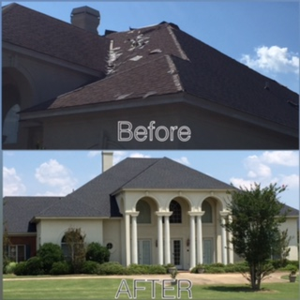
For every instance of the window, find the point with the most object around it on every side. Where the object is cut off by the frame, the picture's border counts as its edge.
(144, 216)
(70, 249)
(207, 217)
(17, 253)
(176, 209)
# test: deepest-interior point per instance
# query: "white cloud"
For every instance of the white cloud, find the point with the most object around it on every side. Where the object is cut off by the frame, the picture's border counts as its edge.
(259, 169)
(292, 181)
(139, 155)
(94, 153)
(284, 158)
(118, 156)
(12, 183)
(239, 182)
(273, 59)
(183, 160)
(57, 176)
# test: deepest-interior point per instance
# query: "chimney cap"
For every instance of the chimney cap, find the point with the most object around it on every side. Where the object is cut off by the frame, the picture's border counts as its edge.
(85, 9)
(86, 18)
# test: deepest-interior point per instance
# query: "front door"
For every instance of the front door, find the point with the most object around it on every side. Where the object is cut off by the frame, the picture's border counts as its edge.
(177, 253)
(207, 251)
(144, 252)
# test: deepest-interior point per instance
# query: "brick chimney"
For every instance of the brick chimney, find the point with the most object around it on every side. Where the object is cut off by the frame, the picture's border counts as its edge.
(107, 160)
(86, 18)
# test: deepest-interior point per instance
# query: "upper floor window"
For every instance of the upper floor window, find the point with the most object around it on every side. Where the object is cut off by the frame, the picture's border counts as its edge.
(207, 217)
(175, 207)
(144, 216)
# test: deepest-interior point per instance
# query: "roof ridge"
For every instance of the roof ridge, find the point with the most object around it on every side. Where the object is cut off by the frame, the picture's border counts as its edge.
(8, 7)
(157, 160)
(177, 44)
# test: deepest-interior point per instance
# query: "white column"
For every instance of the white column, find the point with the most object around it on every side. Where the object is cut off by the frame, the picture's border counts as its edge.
(199, 238)
(231, 254)
(192, 241)
(134, 246)
(127, 238)
(160, 238)
(224, 238)
(167, 238)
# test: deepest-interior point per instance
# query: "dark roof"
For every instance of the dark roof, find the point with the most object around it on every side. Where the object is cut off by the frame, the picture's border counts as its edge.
(291, 212)
(18, 211)
(97, 197)
(163, 60)
(33, 30)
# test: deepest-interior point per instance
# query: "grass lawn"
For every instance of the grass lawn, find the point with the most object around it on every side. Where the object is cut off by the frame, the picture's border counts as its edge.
(106, 289)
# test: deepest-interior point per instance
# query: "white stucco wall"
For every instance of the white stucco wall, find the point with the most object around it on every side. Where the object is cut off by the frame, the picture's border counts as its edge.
(112, 234)
(291, 225)
(53, 230)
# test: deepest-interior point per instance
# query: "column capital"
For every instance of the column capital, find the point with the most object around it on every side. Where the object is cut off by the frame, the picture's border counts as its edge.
(164, 213)
(134, 213)
(196, 213)
(224, 213)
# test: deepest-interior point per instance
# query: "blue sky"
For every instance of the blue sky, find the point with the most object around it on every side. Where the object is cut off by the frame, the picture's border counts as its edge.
(261, 34)
(50, 173)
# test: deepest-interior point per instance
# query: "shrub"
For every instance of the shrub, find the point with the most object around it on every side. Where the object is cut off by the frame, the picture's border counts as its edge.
(214, 270)
(111, 268)
(49, 254)
(60, 268)
(293, 262)
(157, 269)
(135, 269)
(96, 252)
(10, 268)
(90, 267)
(21, 268)
(34, 266)
(289, 267)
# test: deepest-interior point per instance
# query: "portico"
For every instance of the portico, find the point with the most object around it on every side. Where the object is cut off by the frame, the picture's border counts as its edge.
(171, 227)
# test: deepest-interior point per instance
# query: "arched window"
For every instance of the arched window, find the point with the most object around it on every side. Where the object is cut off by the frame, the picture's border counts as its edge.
(207, 217)
(176, 209)
(71, 248)
(65, 247)
(144, 216)
(11, 125)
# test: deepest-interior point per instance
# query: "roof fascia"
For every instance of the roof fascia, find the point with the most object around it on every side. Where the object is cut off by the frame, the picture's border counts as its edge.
(179, 191)
(103, 106)
(239, 115)
(50, 59)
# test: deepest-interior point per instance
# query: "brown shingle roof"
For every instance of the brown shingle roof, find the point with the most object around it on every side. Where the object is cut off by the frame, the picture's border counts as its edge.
(33, 30)
(163, 60)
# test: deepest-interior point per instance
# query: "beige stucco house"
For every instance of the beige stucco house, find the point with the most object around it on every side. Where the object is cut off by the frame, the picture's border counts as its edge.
(66, 87)
(146, 211)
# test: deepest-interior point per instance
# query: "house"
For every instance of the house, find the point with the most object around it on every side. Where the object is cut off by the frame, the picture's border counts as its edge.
(144, 210)
(66, 87)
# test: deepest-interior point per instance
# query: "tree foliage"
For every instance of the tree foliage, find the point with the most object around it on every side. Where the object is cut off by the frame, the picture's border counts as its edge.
(49, 254)
(77, 250)
(256, 217)
(96, 252)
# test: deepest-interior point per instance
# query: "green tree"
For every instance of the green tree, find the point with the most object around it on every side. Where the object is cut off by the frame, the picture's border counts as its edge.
(75, 241)
(256, 217)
